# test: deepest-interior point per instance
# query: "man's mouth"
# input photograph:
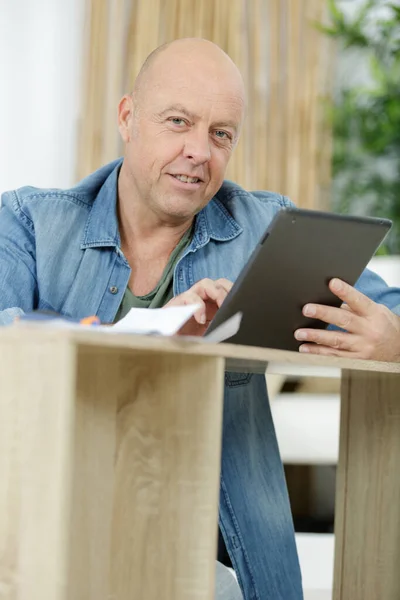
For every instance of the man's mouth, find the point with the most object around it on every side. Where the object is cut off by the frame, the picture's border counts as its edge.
(186, 179)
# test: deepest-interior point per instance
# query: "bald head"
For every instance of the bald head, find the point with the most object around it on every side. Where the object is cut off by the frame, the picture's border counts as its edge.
(196, 54)
(180, 126)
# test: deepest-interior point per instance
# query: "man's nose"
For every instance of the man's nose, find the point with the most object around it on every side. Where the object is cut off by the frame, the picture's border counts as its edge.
(197, 146)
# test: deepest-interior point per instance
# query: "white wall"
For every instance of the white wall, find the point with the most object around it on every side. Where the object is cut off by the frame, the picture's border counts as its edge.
(40, 58)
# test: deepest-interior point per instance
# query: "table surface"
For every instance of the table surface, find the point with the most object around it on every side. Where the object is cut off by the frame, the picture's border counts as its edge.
(238, 358)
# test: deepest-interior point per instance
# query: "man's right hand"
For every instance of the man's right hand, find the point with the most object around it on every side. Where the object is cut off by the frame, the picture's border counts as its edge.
(210, 295)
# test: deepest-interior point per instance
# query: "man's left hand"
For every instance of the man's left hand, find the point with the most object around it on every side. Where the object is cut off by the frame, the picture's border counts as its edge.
(372, 331)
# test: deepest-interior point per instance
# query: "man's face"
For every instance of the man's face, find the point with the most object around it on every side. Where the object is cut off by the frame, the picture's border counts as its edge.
(183, 129)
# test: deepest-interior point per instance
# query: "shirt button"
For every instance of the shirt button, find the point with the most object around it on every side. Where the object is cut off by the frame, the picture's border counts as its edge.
(114, 289)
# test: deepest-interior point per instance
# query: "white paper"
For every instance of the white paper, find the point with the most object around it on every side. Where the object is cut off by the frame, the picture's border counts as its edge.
(158, 321)
(168, 321)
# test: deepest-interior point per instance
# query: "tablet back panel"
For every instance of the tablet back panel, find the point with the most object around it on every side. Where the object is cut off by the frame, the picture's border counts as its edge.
(291, 266)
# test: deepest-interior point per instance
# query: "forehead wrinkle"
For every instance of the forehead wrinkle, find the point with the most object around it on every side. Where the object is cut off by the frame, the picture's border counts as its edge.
(193, 114)
(181, 109)
(178, 108)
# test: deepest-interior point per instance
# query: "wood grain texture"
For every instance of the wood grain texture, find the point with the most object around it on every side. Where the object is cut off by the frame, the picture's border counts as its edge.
(109, 470)
(36, 436)
(167, 467)
(98, 383)
(109, 467)
(367, 523)
(248, 358)
(146, 478)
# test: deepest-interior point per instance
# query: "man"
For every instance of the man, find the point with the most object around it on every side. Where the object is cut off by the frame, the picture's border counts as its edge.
(163, 227)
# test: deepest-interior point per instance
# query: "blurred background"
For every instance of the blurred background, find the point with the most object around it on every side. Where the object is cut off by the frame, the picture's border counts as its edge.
(322, 79)
(323, 127)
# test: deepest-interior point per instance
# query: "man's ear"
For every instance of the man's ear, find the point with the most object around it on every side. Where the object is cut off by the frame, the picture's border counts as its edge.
(125, 117)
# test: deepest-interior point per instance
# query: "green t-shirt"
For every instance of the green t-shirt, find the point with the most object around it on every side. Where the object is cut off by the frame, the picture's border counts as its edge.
(163, 292)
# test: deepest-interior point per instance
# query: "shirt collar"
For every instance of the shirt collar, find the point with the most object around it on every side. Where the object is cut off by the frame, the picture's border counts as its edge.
(213, 221)
(102, 225)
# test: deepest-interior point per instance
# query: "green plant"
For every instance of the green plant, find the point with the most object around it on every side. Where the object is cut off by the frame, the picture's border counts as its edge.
(366, 119)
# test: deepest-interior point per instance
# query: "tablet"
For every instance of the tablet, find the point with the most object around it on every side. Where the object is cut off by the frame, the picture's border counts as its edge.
(301, 251)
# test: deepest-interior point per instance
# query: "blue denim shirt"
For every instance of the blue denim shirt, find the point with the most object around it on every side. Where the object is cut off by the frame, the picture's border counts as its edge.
(60, 250)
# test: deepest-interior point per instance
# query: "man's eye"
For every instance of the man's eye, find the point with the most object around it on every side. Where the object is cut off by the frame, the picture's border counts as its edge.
(177, 121)
(222, 135)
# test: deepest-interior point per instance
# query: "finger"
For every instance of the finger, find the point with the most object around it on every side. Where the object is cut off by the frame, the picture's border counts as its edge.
(225, 284)
(221, 297)
(210, 290)
(326, 351)
(337, 340)
(342, 317)
(207, 284)
(216, 295)
(201, 314)
(358, 302)
(345, 307)
(191, 297)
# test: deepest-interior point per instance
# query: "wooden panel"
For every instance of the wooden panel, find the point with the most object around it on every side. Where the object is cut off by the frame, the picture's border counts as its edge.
(167, 468)
(36, 423)
(367, 527)
(98, 382)
(110, 475)
(146, 484)
(248, 358)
